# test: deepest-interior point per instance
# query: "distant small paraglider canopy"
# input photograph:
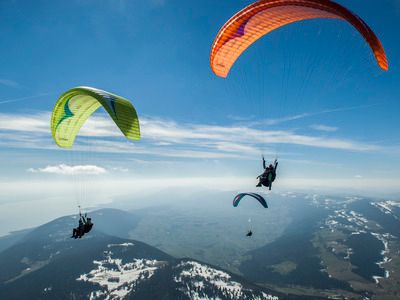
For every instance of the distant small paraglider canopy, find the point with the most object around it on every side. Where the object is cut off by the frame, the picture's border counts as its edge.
(259, 198)
(76, 105)
(264, 16)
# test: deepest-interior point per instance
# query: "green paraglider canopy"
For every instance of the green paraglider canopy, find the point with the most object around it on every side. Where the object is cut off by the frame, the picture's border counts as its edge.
(76, 105)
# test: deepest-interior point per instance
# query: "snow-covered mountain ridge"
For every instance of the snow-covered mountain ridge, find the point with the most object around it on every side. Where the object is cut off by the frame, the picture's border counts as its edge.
(48, 264)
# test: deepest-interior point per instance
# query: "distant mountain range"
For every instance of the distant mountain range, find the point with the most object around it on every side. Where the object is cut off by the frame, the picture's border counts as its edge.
(305, 246)
(45, 263)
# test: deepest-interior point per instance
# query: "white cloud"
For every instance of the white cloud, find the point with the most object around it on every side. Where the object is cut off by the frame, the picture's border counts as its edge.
(242, 136)
(38, 123)
(167, 138)
(63, 169)
(325, 128)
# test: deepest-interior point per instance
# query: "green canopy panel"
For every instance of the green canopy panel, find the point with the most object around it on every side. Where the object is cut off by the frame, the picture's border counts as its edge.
(76, 105)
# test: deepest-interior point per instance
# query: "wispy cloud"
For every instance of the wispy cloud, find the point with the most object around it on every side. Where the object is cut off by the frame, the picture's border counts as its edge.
(63, 169)
(9, 83)
(325, 128)
(244, 137)
(158, 3)
(167, 138)
(309, 115)
(240, 118)
(38, 123)
(10, 100)
(120, 169)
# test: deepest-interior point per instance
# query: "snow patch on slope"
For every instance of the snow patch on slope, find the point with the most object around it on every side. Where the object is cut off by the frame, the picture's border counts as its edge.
(356, 224)
(384, 238)
(118, 279)
(196, 279)
(120, 245)
(387, 207)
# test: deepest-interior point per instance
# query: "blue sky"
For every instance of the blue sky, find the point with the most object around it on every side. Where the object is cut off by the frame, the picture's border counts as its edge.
(310, 93)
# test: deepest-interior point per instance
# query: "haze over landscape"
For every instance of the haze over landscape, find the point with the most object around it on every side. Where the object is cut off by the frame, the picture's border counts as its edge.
(310, 94)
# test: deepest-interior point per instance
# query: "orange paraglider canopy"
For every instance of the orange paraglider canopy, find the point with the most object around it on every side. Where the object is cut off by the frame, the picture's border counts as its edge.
(262, 17)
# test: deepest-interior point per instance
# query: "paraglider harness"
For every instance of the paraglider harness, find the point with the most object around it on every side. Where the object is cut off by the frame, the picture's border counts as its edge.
(85, 225)
(269, 175)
